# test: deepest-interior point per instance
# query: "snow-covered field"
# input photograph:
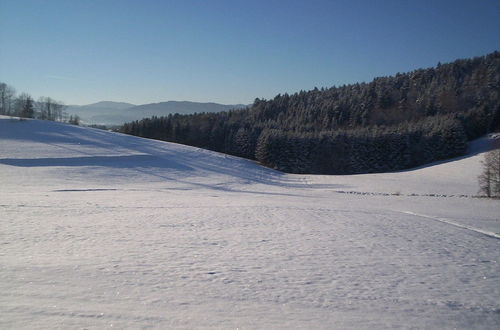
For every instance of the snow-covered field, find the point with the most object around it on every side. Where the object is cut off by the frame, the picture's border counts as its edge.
(100, 230)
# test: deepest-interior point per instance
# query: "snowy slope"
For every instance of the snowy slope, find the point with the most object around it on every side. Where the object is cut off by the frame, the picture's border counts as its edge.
(77, 154)
(100, 230)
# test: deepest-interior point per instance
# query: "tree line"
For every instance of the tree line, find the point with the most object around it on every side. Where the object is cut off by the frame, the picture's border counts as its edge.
(390, 123)
(23, 106)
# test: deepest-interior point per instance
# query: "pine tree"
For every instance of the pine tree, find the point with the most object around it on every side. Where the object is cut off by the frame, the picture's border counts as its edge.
(24, 106)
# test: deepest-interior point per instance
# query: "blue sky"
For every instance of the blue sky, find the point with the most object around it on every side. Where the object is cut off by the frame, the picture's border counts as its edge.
(229, 52)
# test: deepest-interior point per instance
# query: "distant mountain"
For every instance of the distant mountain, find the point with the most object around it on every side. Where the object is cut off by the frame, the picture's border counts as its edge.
(104, 112)
(181, 107)
(117, 113)
(109, 105)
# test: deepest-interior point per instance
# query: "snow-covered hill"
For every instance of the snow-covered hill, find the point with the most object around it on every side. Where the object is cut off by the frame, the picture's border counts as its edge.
(100, 229)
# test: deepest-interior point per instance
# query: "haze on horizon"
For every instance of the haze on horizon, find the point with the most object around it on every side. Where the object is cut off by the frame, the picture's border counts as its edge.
(228, 52)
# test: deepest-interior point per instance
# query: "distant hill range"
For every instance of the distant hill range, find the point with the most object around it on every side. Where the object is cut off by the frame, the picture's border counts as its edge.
(116, 113)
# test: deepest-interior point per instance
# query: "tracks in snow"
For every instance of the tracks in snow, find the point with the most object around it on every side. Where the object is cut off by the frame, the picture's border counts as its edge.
(450, 222)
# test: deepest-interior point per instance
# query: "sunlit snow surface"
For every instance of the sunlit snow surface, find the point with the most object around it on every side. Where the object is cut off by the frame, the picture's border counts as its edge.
(100, 230)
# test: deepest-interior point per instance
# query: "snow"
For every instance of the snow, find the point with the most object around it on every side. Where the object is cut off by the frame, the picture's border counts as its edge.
(104, 230)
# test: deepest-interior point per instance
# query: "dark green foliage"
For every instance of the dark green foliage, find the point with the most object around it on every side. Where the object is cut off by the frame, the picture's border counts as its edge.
(391, 123)
(27, 110)
(365, 150)
(74, 120)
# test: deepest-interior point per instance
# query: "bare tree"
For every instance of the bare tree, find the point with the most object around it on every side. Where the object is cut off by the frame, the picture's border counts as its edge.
(50, 109)
(489, 180)
(7, 94)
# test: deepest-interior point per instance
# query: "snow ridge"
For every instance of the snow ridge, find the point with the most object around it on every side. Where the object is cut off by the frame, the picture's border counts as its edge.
(453, 223)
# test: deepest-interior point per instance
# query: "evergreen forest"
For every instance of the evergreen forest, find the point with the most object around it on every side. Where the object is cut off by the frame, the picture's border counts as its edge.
(389, 124)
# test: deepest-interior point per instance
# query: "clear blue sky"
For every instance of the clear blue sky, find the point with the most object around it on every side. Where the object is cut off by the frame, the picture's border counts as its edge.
(83, 51)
